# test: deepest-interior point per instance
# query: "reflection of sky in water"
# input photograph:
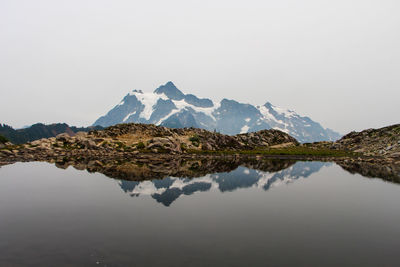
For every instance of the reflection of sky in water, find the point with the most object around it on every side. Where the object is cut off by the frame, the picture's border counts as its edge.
(69, 217)
(167, 190)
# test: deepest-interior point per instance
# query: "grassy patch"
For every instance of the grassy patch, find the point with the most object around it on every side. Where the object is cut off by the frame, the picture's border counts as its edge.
(195, 139)
(183, 147)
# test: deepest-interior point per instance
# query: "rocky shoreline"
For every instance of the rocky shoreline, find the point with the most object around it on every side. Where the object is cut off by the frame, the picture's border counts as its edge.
(148, 144)
(147, 166)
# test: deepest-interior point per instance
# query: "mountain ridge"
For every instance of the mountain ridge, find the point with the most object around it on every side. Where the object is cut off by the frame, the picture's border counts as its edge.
(40, 130)
(170, 107)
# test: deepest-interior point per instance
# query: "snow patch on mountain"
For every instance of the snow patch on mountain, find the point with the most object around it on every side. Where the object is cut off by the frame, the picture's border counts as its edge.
(168, 106)
(208, 111)
(285, 112)
(268, 116)
(149, 100)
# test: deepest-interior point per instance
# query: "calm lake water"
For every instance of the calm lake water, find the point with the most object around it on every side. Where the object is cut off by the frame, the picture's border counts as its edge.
(309, 214)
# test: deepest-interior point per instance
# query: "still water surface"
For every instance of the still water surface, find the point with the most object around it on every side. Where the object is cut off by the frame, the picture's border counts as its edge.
(309, 214)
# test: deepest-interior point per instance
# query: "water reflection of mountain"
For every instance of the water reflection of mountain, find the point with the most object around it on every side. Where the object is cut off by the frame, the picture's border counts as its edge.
(167, 190)
(150, 174)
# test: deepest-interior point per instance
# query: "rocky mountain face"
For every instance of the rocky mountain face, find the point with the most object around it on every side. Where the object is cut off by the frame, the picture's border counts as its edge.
(40, 130)
(168, 106)
(373, 142)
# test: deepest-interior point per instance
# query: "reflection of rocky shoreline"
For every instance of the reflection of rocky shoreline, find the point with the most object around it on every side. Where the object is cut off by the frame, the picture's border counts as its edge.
(159, 167)
(390, 173)
(165, 178)
(149, 167)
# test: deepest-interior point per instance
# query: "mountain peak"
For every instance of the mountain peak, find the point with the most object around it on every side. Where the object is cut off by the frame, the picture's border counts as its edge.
(168, 106)
(268, 105)
(170, 90)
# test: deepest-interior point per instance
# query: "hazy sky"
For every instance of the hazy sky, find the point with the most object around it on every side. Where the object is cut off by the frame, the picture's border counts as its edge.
(336, 61)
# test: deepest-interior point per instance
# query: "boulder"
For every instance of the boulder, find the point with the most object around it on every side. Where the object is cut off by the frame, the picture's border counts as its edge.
(81, 134)
(63, 137)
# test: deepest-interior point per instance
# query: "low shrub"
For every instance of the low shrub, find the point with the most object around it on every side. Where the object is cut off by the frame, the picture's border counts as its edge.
(3, 139)
(194, 138)
(140, 145)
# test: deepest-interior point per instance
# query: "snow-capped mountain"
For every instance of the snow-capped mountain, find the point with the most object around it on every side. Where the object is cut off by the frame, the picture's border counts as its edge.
(169, 189)
(168, 106)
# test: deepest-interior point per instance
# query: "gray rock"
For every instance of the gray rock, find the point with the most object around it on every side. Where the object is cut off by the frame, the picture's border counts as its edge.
(63, 137)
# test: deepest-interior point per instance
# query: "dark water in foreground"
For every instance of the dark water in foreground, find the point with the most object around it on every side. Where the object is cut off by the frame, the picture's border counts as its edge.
(309, 214)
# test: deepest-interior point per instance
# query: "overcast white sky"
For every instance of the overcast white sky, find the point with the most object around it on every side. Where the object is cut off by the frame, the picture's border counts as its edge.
(71, 61)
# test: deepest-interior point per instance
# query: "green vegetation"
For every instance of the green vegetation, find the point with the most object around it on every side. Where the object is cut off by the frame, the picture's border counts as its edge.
(120, 146)
(3, 140)
(183, 146)
(194, 167)
(195, 139)
(140, 145)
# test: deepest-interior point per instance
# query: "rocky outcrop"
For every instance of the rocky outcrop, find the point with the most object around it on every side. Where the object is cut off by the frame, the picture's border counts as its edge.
(383, 142)
(187, 139)
(266, 138)
(128, 140)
